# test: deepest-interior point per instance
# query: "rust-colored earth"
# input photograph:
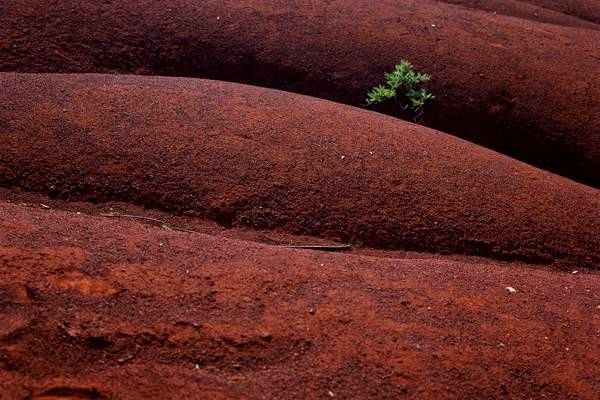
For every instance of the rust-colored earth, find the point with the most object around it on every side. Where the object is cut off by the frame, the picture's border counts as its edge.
(248, 156)
(525, 88)
(150, 227)
(574, 13)
(97, 308)
(588, 10)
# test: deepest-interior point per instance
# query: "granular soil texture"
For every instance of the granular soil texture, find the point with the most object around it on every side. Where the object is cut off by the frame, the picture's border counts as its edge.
(266, 159)
(583, 9)
(532, 11)
(523, 88)
(95, 308)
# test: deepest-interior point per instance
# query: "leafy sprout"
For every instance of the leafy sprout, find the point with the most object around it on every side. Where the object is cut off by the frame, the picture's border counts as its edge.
(404, 86)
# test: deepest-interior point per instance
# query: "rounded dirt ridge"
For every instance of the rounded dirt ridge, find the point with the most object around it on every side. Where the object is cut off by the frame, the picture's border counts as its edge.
(197, 203)
(521, 87)
(247, 156)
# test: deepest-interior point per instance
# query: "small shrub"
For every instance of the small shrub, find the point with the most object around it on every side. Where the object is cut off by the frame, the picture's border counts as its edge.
(405, 87)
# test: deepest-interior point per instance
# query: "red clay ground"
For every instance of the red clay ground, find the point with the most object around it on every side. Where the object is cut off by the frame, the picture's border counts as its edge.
(95, 308)
(533, 12)
(524, 88)
(197, 224)
(247, 156)
(105, 306)
(583, 9)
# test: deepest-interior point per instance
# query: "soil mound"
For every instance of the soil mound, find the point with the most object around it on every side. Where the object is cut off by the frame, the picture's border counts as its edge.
(248, 156)
(584, 9)
(95, 308)
(533, 12)
(522, 88)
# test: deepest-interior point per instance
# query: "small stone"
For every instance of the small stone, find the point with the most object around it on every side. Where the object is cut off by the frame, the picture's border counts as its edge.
(575, 272)
(511, 289)
(342, 157)
(312, 311)
(267, 337)
(73, 332)
(44, 206)
(124, 359)
(330, 393)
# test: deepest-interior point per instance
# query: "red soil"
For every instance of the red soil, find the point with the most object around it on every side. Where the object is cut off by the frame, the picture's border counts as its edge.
(198, 224)
(523, 88)
(127, 305)
(583, 9)
(96, 308)
(246, 156)
(522, 9)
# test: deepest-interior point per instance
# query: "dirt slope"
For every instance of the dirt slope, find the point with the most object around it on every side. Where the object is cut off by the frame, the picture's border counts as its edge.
(583, 9)
(522, 9)
(247, 156)
(104, 309)
(525, 89)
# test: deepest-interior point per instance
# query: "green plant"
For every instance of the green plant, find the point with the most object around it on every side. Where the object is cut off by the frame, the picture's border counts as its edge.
(404, 86)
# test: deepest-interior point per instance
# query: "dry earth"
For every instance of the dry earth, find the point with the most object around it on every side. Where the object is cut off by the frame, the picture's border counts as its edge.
(148, 224)
(248, 156)
(96, 308)
(525, 88)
